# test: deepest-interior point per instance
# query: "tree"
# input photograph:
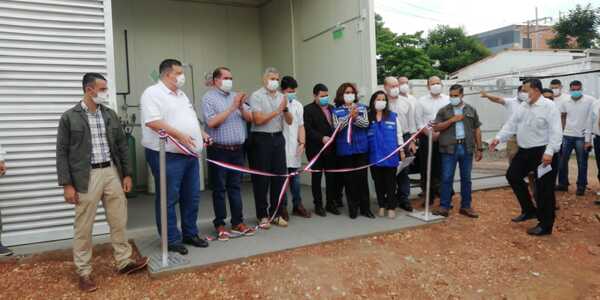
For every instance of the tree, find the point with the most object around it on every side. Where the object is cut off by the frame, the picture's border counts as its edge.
(579, 29)
(401, 55)
(453, 48)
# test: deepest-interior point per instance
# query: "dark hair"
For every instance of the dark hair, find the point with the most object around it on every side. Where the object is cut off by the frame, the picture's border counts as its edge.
(520, 88)
(536, 84)
(218, 72)
(555, 81)
(575, 83)
(547, 90)
(288, 82)
(319, 87)
(373, 111)
(90, 79)
(339, 95)
(167, 65)
(458, 87)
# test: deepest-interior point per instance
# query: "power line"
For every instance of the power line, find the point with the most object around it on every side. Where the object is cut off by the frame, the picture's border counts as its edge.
(410, 14)
(422, 8)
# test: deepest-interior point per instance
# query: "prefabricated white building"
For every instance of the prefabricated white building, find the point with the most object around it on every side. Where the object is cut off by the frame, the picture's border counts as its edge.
(47, 45)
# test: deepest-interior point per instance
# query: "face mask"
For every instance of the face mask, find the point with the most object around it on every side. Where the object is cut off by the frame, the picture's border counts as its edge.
(436, 89)
(576, 95)
(349, 98)
(324, 101)
(394, 92)
(291, 97)
(272, 85)
(455, 101)
(556, 92)
(226, 85)
(100, 98)
(523, 96)
(380, 105)
(404, 89)
(180, 81)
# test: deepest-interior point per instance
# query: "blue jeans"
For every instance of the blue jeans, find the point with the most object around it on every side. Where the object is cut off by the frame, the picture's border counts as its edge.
(183, 186)
(226, 181)
(294, 189)
(570, 143)
(465, 162)
(597, 154)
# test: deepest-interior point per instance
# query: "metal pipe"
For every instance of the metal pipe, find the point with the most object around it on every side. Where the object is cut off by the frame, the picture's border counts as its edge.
(429, 154)
(163, 200)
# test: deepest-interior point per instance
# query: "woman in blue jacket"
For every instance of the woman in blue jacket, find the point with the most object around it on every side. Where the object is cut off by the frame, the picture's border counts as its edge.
(353, 152)
(384, 136)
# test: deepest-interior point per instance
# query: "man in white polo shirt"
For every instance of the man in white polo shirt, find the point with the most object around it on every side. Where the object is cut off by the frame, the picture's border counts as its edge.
(166, 107)
(426, 110)
(577, 123)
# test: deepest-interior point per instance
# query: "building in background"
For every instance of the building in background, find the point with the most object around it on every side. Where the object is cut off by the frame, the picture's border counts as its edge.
(517, 37)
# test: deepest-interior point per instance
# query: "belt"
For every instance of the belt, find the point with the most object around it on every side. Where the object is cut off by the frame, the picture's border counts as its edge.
(460, 141)
(267, 133)
(101, 165)
(227, 147)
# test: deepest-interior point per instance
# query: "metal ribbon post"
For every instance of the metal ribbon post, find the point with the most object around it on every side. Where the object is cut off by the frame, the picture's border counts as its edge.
(428, 184)
(163, 200)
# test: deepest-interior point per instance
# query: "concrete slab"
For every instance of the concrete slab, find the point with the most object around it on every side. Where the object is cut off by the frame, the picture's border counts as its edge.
(301, 232)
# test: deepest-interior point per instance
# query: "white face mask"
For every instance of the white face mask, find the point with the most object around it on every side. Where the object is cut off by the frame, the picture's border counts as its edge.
(436, 89)
(180, 81)
(226, 85)
(380, 105)
(404, 89)
(349, 98)
(523, 96)
(394, 92)
(272, 85)
(101, 97)
(556, 92)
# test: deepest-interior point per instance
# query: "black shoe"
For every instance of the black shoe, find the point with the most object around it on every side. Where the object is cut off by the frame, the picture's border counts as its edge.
(367, 214)
(320, 211)
(538, 231)
(353, 213)
(562, 188)
(580, 191)
(196, 242)
(523, 218)
(406, 206)
(179, 248)
(332, 210)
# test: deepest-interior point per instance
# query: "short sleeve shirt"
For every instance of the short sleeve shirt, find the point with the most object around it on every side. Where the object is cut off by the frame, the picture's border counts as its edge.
(262, 101)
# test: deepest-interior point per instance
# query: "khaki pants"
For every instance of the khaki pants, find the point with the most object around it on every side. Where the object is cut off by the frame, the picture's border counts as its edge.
(104, 185)
(511, 148)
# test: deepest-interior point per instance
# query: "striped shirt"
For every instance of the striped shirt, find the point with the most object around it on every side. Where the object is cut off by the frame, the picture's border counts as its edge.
(100, 148)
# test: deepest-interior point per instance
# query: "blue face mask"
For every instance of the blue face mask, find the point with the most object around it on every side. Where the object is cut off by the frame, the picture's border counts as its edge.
(323, 101)
(576, 94)
(455, 101)
(291, 97)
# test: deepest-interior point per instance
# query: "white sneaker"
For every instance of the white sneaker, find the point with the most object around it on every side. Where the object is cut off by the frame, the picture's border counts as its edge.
(392, 213)
(264, 223)
(381, 212)
(281, 222)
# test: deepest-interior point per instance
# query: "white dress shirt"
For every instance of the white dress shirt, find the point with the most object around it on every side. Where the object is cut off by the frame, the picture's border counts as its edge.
(404, 107)
(290, 133)
(160, 103)
(511, 105)
(428, 107)
(595, 116)
(564, 97)
(579, 117)
(535, 125)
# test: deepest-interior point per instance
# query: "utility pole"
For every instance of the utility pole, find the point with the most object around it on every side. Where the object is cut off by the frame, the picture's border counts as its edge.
(534, 22)
(536, 29)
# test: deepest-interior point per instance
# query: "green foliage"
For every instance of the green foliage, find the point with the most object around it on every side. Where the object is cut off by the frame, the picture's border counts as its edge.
(453, 48)
(579, 29)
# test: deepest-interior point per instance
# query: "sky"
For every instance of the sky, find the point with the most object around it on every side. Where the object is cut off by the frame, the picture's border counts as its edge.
(404, 16)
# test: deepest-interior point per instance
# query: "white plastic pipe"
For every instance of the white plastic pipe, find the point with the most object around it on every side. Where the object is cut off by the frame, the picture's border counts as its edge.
(163, 201)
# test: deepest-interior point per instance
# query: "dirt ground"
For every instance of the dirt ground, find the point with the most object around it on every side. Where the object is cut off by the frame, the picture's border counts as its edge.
(460, 258)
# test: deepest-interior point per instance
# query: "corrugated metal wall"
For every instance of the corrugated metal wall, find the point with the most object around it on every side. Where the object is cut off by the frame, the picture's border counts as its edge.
(45, 48)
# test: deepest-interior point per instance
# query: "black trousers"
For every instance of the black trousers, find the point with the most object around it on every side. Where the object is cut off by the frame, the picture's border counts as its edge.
(385, 186)
(267, 153)
(333, 185)
(525, 161)
(356, 183)
(436, 166)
